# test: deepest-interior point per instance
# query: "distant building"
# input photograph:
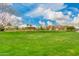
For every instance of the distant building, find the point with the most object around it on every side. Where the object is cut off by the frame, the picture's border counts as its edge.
(59, 28)
(10, 28)
(27, 27)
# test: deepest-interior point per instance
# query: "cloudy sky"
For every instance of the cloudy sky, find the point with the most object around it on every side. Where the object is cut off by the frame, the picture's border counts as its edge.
(44, 13)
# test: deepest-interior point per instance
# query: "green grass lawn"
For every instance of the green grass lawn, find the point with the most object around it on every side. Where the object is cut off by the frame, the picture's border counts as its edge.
(40, 43)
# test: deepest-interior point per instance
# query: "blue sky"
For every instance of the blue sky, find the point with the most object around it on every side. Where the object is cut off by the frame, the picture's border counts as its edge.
(27, 7)
(32, 13)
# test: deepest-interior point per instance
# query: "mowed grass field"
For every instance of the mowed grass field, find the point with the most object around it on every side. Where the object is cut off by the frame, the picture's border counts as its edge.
(40, 43)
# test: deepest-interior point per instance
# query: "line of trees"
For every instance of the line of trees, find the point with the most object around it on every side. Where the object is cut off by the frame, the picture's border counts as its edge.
(7, 20)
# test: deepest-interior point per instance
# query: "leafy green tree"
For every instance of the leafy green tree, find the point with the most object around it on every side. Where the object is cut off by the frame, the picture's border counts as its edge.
(70, 28)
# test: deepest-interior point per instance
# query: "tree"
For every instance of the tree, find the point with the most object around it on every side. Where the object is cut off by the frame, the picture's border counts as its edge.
(1, 28)
(4, 18)
(70, 28)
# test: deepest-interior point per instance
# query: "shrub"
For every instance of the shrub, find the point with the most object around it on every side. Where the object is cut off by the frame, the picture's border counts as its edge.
(1, 28)
(70, 28)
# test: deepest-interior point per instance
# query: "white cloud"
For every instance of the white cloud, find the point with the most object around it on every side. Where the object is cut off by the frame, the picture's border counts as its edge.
(62, 22)
(47, 13)
(69, 13)
(78, 15)
(39, 11)
(50, 11)
(53, 6)
(50, 14)
(75, 21)
(43, 8)
(49, 23)
(41, 22)
(16, 21)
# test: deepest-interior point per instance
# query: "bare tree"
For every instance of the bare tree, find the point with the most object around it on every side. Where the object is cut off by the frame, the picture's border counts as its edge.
(4, 18)
(8, 19)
